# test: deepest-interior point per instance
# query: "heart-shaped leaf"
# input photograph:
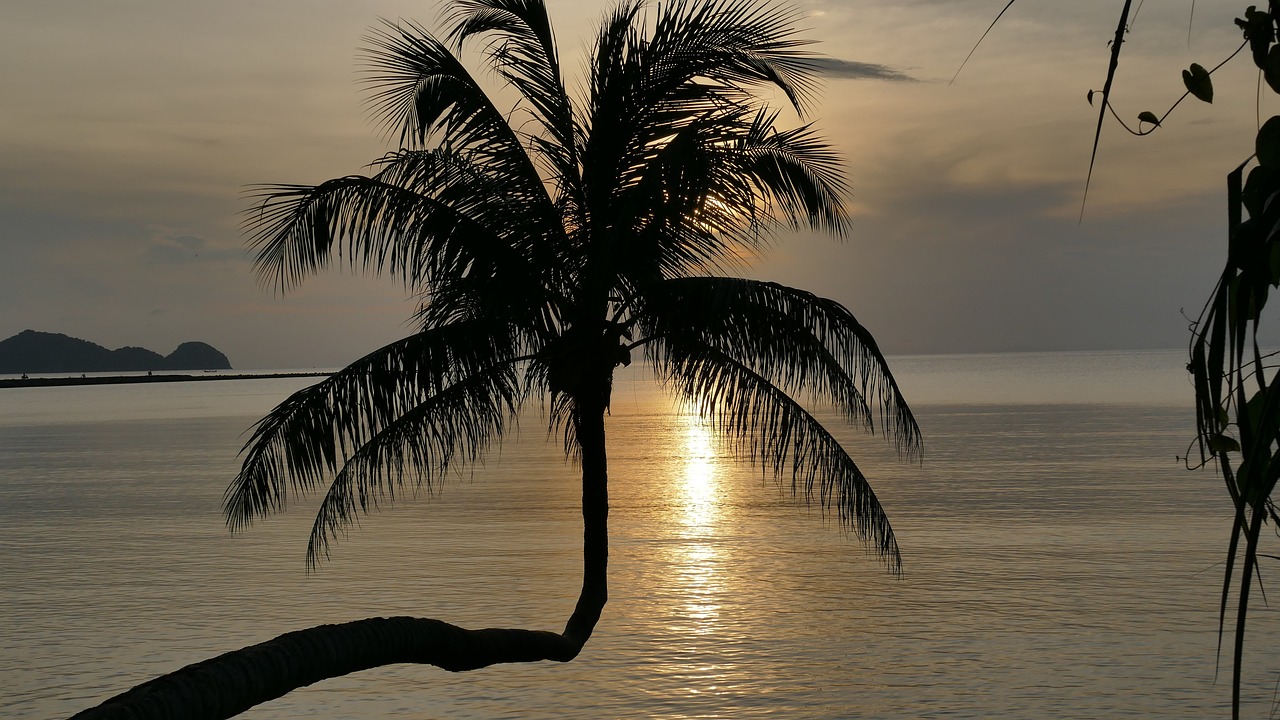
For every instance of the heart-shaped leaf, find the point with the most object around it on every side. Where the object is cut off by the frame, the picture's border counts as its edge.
(1198, 83)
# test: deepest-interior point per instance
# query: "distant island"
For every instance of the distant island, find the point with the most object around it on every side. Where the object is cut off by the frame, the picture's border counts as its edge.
(39, 352)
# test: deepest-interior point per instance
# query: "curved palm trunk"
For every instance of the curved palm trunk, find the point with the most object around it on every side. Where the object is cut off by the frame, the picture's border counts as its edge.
(589, 424)
(229, 684)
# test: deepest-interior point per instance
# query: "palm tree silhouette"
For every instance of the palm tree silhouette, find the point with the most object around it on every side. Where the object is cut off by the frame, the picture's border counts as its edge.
(549, 245)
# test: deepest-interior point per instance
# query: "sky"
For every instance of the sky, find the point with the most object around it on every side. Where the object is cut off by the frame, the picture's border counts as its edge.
(130, 130)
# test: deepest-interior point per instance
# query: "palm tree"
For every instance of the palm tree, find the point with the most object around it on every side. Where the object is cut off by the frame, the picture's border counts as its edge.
(547, 251)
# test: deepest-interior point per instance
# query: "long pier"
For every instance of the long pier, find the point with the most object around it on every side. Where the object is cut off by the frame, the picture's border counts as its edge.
(133, 379)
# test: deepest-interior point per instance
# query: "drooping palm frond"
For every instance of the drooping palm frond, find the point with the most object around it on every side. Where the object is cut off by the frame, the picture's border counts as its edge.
(799, 172)
(423, 218)
(798, 342)
(298, 230)
(450, 429)
(308, 438)
(773, 429)
(512, 235)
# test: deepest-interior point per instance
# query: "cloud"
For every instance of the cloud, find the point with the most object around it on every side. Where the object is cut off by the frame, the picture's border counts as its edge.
(177, 249)
(854, 70)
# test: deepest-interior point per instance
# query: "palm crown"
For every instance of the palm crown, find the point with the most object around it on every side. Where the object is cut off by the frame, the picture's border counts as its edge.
(545, 258)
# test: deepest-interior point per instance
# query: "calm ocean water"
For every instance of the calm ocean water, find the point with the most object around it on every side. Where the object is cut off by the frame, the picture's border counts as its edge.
(1059, 562)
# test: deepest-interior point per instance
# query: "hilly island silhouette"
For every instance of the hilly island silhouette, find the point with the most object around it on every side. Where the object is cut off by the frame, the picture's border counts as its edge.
(40, 352)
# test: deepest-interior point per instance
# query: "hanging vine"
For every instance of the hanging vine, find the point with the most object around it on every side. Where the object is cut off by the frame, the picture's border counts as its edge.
(1237, 391)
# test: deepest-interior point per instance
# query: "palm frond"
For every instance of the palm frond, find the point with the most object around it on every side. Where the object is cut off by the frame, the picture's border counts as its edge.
(308, 437)
(714, 190)
(502, 229)
(734, 44)
(686, 207)
(799, 172)
(612, 85)
(423, 217)
(797, 341)
(523, 51)
(422, 93)
(451, 428)
(776, 431)
(700, 58)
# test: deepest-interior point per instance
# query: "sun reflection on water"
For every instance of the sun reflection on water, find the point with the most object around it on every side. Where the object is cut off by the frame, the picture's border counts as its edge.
(697, 557)
(701, 487)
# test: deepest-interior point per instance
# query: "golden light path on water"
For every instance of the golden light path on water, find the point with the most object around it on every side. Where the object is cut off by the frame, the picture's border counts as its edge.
(699, 557)
(701, 482)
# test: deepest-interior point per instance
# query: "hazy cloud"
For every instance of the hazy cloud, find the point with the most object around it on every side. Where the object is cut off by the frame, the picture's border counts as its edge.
(184, 248)
(854, 70)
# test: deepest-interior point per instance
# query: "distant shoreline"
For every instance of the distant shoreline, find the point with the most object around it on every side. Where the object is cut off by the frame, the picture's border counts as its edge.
(134, 379)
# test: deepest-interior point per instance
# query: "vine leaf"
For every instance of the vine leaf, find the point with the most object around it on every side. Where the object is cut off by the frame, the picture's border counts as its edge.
(1198, 82)
(1272, 70)
(1219, 443)
(1268, 143)
(1147, 116)
(1262, 182)
(1260, 33)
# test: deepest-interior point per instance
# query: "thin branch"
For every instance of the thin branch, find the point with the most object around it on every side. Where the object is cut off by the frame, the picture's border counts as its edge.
(1106, 95)
(975, 45)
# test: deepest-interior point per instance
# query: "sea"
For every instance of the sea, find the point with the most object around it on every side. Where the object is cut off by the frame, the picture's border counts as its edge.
(1060, 560)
